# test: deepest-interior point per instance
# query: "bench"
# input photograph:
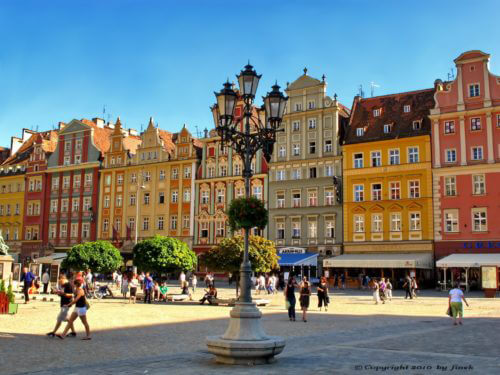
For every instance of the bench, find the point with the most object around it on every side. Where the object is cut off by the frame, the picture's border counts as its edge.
(220, 301)
(177, 297)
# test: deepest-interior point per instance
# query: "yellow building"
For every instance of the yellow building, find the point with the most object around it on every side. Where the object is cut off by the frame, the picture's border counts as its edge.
(12, 204)
(387, 189)
(147, 186)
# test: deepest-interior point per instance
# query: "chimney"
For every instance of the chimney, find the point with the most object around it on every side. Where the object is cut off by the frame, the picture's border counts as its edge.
(205, 132)
(99, 122)
(61, 125)
(132, 132)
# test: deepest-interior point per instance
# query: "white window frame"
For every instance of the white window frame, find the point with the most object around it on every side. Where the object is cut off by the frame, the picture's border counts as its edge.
(477, 222)
(376, 156)
(415, 219)
(358, 162)
(395, 220)
(450, 220)
(414, 189)
(359, 223)
(376, 195)
(394, 156)
(478, 184)
(473, 152)
(450, 152)
(450, 186)
(360, 132)
(474, 90)
(413, 154)
(377, 223)
(359, 192)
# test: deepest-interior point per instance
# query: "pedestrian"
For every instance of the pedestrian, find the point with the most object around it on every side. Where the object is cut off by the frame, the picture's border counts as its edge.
(28, 277)
(305, 296)
(210, 295)
(45, 281)
(262, 283)
(388, 290)
(414, 287)
(125, 286)
(134, 284)
(360, 280)
(80, 311)
(115, 276)
(89, 280)
(65, 291)
(382, 287)
(366, 281)
(342, 280)
(455, 298)
(335, 281)
(194, 282)
(148, 288)
(323, 298)
(156, 291)
(290, 297)
(182, 278)
(207, 280)
(141, 280)
(376, 291)
(119, 278)
(407, 287)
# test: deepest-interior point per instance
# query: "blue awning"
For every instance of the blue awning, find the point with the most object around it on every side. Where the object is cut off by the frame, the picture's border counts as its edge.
(304, 259)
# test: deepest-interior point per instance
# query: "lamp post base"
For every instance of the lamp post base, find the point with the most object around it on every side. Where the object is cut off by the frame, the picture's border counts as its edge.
(244, 342)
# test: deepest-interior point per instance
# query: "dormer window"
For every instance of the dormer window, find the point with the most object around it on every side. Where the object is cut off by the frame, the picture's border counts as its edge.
(474, 90)
(360, 132)
(387, 128)
(376, 112)
(406, 108)
(417, 124)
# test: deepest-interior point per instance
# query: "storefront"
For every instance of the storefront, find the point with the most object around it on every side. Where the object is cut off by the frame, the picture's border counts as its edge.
(395, 266)
(296, 261)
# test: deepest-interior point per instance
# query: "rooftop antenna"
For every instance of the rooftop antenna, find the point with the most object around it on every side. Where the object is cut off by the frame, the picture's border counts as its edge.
(198, 133)
(361, 93)
(372, 87)
(451, 75)
(103, 110)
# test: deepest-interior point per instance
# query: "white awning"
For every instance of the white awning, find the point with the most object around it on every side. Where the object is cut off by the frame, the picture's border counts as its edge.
(55, 258)
(469, 260)
(385, 260)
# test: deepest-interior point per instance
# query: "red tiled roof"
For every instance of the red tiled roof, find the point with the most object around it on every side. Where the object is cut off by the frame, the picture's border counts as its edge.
(392, 112)
(48, 140)
(131, 143)
(101, 136)
(167, 139)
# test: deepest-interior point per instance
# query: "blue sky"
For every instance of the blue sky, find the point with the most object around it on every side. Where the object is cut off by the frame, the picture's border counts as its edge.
(61, 60)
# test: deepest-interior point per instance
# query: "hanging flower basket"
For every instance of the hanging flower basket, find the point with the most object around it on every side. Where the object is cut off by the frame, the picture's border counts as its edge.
(247, 213)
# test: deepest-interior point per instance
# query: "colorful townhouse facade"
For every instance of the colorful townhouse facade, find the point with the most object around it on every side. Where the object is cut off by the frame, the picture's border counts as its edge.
(219, 180)
(147, 186)
(387, 183)
(305, 214)
(466, 163)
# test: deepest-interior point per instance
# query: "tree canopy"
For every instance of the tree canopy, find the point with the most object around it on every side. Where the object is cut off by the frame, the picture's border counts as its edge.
(164, 254)
(99, 256)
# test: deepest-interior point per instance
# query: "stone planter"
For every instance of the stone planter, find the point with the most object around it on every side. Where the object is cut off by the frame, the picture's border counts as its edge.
(13, 308)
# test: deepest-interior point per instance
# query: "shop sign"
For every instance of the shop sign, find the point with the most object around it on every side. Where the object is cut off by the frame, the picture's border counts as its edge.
(292, 250)
(481, 245)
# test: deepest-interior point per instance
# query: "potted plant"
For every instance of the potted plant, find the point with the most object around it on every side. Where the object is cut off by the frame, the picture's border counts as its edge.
(11, 298)
(4, 302)
(247, 213)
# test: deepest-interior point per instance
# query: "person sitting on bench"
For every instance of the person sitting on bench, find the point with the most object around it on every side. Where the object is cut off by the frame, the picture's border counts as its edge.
(210, 295)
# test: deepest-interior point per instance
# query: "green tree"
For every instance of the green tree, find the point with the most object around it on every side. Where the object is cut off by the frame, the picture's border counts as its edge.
(164, 254)
(99, 256)
(228, 255)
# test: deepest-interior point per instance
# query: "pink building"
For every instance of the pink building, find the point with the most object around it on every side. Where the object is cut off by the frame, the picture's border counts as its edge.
(466, 163)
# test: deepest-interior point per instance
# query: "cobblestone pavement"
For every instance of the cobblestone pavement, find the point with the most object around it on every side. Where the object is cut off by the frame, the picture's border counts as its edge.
(353, 337)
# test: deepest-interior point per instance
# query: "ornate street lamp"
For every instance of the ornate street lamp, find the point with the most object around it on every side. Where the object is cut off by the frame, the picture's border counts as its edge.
(244, 341)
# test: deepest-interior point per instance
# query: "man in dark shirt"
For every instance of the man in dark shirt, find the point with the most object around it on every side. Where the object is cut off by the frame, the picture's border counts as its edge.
(148, 288)
(28, 277)
(65, 291)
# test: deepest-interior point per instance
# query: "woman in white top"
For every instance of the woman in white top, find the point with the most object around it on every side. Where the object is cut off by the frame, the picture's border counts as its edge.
(125, 286)
(455, 303)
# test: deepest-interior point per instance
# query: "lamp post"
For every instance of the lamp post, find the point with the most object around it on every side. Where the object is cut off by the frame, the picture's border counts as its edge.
(244, 341)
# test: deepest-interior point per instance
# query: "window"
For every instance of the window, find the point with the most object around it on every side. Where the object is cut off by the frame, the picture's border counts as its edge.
(133, 178)
(27, 234)
(187, 172)
(475, 123)
(187, 195)
(393, 157)
(312, 123)
(53, 206)
(474, 90)
(119, 200)
(451, 220)
(376, 158)
(298, 107)
(376, 223)
(257, 192)
(211, 172)
(376, 112)
(88, 180)
(412, 154)
(414, 189)
(329, 197)
(312, 172)
(107, 180)
(295, 229)
(52, 231)
(85, 230)
(359, 193)
(396, 222)
(296, 174)
(77, 180)
(161, 197)
(477, 153)
(479, 185)
(451, 156)
(119, 179)
(237, 169)
(280, 175)
(329, 228)
(312, 229)
(78, 159)
(359, 223)
(75, 205)
(67, 146)
(31, 186)
(55, 183)
(146, 198)
(415, 221)
(65, 182)
(162, 175)
(204, 230)
(173, 222)
(67, 160)
(387, 128)
(449, 127)
(132, 199)
(406, 108)
(160, 223)
(205, 196)
(417, 124)
(280, 231)
(450, 184)
(112, 160)
(310, 104)
(86, 203)
(358, 160)
(219, 228)
(15, 237)
(145, 223)
(296, 126)
(131, 223)
(360, 132)
(64, 205)
(328, 170)
(63, 229)
(17, 210)
(185, 222)
(498, 121)
(479, 223)
(296, 199)
(223, 170)
(376, 192)
(175, 196)
(221, 193)
(106, 201)
(296, 149)
(147, 176)
(280, 200)
(312, 147)
(312, 198)
(74, 230)
(282, 152)
(395, 190)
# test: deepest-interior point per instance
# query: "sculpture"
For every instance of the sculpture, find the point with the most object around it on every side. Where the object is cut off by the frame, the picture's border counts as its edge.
(4, 249)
